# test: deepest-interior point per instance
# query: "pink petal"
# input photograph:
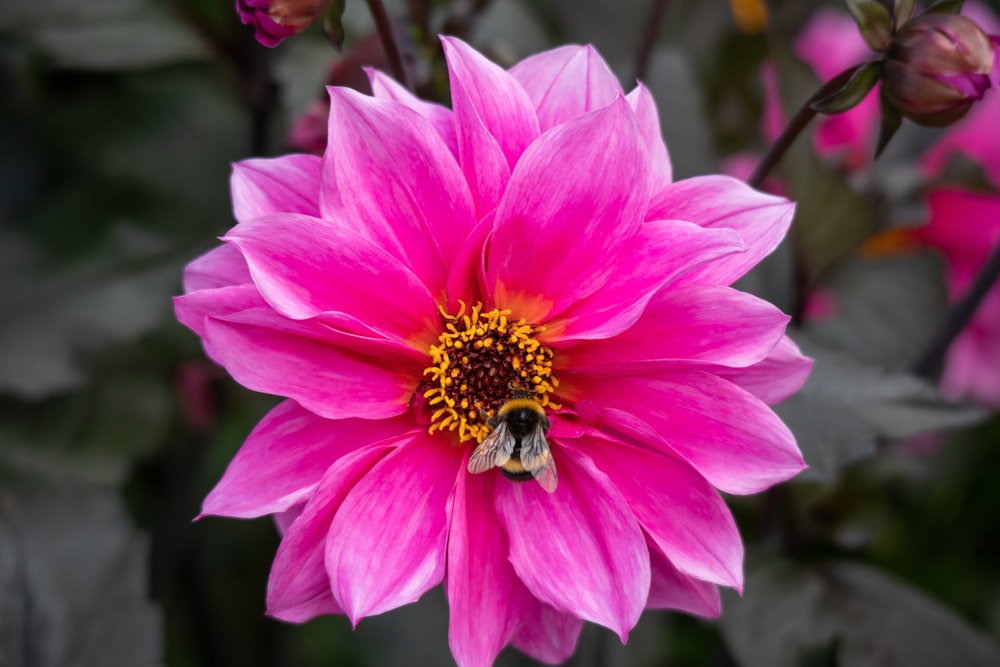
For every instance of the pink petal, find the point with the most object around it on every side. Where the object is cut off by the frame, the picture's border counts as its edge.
(722, 201)
(681, 512)
(482, 159)
(441, 118)
(386, 545)
(219, 267)
(731, 437)
(575, 198)
(288, 184)
(566, 82)
(659, 254)
(299, 587)
(307, 266)
(546, 634)
(193, 309)
(578, 549)
(648, 117)
(284, 359)
(399, 183)
(284, 457)
(468, 273)
(774, 379)
(485, 598)
(698, 323)
(491, 95)
(671, 589)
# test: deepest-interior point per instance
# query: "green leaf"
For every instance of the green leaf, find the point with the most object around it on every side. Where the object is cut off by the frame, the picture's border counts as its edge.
(74, 576)
(890, 122)
(855, 90)
(103, 34)
(789, 611)
(874, 21)
(902, 10)
(333, 23)
(847, 407)
(946, 7)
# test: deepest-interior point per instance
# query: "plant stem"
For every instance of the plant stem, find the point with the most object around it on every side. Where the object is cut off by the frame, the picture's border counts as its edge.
(795, 127)
(959, 316)
(385, 32)
(657, 11)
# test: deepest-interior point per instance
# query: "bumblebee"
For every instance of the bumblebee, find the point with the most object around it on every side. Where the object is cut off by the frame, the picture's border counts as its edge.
(516, 444)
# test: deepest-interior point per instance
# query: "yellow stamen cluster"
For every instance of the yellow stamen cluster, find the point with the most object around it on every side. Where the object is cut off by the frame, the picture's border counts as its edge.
(481, 358)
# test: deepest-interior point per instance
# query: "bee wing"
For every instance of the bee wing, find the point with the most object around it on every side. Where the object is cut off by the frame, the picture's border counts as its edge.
(536, 457)
(546, 476)
(495, 450)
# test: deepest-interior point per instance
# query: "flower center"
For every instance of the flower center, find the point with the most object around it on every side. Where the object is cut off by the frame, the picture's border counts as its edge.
(480, 360)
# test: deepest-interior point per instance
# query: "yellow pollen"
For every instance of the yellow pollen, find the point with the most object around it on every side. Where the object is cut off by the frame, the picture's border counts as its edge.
(498, 355)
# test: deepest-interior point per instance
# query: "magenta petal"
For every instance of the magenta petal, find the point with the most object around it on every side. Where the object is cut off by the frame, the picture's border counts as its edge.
(194, 309)
(680, 511)
(672, 589)
(331, 382)
(299, 587)
(485, 597)
(399, 183)
(723, 201)
(546, 634)
(581, 551)
(220, 267)
(493, 96)
(482, 159)
(649, 125)
(306, 266)
(697, 323)
(566, 82)
(288, 184)
(730, 436)
(286, 454)
(468, 273)
(575, 198)
(775, 378)
(386, 545)
(659, 254)
(441, 118)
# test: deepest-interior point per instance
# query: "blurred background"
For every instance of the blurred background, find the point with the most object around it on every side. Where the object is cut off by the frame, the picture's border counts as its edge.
(119, 120)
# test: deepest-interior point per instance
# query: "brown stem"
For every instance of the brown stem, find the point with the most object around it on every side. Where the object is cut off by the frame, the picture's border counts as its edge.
(796, 125)
(385, 32)
(959, 316)
(657, 11)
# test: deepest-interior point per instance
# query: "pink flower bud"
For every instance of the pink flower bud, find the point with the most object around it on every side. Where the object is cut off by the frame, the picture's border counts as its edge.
(936, 67)
(274, 20)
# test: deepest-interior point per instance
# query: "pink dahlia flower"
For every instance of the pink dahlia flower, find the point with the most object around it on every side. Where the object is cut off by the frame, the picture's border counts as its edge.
(399, 289)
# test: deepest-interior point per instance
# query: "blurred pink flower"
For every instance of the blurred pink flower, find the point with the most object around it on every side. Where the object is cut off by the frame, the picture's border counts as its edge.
(397, 288)
(274, 20)
(965, 227)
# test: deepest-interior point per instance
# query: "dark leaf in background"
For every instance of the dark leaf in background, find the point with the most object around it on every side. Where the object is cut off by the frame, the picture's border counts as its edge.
(96, 435)
(103, 34)
(847, 407)
(55, 320)
(74, 576)
(883, 310)
(789, 611)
